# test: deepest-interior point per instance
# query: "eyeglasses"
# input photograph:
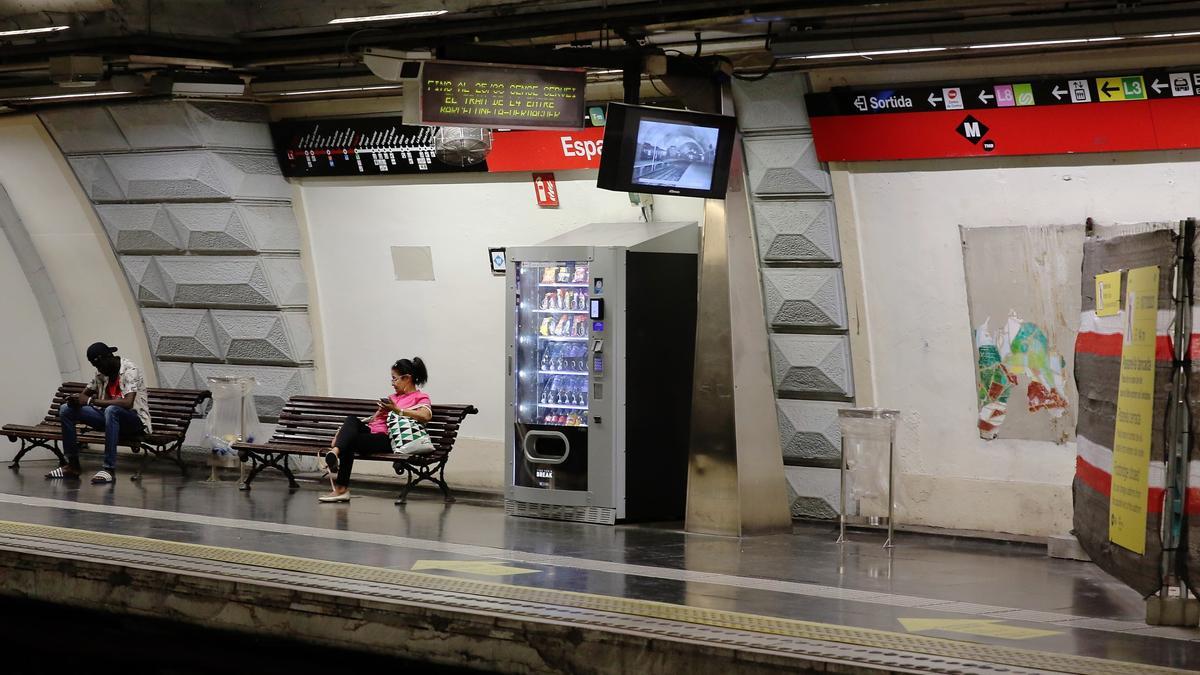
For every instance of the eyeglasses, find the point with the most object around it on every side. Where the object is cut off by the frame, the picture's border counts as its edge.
(399, 377)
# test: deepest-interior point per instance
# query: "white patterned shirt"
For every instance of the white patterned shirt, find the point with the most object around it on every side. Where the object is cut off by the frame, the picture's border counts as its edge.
(131, 380)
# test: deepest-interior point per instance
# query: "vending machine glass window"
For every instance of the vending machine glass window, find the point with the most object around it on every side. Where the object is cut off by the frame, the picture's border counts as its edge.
(552, 334)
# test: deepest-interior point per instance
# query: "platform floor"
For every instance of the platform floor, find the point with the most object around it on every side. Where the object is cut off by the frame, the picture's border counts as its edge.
(927, 595)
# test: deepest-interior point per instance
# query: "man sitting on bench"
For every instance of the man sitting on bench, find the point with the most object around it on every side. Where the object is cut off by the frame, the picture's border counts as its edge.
(115, 403)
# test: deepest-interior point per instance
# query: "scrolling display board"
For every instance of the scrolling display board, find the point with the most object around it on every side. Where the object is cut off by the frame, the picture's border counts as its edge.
(357, 147)
(1152, 109)
(517, 97)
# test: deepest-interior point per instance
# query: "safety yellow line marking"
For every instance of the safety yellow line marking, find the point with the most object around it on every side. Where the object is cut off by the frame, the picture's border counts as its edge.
(794, 628)
(482, 568)
(993, 628)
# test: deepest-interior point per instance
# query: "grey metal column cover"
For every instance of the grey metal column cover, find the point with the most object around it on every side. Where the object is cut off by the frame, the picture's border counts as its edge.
(803, 287)
(201, 220)
(736, 484)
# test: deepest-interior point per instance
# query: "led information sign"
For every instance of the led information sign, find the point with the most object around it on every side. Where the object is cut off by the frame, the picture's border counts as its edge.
(518, 97)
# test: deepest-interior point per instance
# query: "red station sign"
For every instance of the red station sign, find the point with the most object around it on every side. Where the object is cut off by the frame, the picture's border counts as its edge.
(1151, 110)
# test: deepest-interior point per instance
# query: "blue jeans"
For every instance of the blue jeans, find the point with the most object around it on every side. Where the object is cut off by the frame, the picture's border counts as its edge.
(113, 421)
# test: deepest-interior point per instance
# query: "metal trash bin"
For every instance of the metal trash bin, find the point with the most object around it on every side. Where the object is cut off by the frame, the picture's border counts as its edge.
(867, 469)
(232, 419)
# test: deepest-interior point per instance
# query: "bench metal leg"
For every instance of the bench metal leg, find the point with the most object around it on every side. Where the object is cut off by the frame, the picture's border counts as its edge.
(435, 473)
(172, 453)
(269, 460)
(30, 444)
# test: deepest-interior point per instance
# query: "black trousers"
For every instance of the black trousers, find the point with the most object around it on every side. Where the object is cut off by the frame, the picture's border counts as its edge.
(353, 438)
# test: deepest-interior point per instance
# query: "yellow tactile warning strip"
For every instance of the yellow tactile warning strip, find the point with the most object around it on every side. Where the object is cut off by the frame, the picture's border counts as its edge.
(970, 651)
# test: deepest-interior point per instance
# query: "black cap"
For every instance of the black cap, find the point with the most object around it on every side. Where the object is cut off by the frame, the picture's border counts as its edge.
(99, 349)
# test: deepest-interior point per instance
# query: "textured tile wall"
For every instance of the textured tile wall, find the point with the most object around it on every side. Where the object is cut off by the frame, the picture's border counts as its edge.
(796, 227)
(201, 221)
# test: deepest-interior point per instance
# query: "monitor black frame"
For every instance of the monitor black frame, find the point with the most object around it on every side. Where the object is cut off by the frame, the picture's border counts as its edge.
(620, 148)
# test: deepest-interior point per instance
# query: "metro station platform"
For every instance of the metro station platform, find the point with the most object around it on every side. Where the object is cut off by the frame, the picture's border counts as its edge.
(463, 585)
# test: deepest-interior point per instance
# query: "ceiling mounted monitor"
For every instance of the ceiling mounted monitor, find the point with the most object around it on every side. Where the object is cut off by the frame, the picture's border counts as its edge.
(665, 151)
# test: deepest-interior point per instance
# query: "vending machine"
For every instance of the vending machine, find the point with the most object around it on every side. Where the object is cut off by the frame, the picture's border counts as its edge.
(602, 331)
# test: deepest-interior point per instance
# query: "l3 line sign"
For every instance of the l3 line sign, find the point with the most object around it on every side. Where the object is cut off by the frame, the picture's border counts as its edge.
(1149, 110)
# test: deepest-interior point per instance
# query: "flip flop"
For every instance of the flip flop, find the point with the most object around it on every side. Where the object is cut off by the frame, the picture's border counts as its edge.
(102, 476)
(65, 472)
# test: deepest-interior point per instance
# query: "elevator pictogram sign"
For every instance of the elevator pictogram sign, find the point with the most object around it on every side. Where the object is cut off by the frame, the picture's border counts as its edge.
(972, 129)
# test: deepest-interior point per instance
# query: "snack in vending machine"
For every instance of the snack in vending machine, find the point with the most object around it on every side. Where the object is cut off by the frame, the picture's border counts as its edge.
(564, 326)
(549, 275)
(581, 274)
(579, 326)
(565, 274)
(544, 329)
(547, 300)
(572, 420)
(562, 299)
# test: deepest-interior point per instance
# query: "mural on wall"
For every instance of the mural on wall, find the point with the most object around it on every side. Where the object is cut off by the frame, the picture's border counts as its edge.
(1022, 295)
(1020, 348)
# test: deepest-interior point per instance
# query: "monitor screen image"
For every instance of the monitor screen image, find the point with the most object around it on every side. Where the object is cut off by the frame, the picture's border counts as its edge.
(675, 155)
(666, 151)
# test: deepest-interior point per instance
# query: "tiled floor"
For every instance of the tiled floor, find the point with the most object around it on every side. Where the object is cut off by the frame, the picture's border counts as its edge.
(804, 575)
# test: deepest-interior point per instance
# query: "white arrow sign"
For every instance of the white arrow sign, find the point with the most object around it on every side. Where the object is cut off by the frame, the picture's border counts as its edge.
(1058, 93)
(934, 100)
(984, 97)
(1157, 86)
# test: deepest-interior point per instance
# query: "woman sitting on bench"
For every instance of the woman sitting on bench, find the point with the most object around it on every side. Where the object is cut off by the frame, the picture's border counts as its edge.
(371, 436)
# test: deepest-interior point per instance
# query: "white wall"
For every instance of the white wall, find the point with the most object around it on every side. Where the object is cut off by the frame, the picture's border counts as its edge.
(26, 355)
(80, 263)
(915, 341)
(456, 323)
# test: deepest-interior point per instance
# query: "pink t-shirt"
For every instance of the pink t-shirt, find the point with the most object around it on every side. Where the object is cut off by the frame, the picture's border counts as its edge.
(416, 399)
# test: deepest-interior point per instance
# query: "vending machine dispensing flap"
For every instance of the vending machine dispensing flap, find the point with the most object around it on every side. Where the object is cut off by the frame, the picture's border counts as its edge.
(532, 440)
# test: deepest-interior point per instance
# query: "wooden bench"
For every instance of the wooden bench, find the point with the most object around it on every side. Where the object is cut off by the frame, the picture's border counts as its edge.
(307, 425)
(171, 410)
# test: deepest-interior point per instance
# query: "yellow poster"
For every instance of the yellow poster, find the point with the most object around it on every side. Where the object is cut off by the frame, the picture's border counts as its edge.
(1108, 293)
(1135, 413)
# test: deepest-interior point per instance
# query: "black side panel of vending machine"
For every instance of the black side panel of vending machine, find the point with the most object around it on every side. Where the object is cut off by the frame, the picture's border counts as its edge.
(660, 344)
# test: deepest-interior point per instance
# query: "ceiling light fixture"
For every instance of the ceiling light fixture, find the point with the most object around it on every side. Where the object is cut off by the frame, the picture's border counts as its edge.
(878, 52)
(1044, 43)
(90, 94)
(32, 31)
(1171, 35)
(390, 17)
(342, 90)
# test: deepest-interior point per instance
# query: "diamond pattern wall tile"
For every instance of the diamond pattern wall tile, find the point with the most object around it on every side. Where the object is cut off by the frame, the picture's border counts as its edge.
(300, 333)
(184, 334)
(140, 228)
(84, 130)
(797, 231)
(201, 281)
(774, 103)
(213, 228)
(253, 175)
(175, 375)
(150, 286)
(168, 176)
(815, 492)
(97, 178)
(804, 298)
(812, 365)
(273, 385)
(785, 165)
(156, 125)
(287, 281)
(273, 228)
(258, 337)
(192, 198)
(809, 429)
(231, 125)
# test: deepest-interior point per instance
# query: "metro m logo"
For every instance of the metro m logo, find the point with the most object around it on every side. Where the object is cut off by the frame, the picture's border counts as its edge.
(972, 129)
